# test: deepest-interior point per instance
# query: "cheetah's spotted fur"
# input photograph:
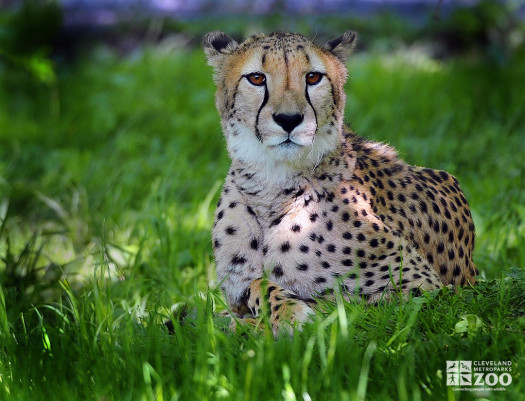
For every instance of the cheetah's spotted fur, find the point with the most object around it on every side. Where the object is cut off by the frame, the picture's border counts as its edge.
(313, 206)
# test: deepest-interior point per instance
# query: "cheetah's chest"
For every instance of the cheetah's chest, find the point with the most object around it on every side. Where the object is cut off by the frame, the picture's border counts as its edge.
(307, 239)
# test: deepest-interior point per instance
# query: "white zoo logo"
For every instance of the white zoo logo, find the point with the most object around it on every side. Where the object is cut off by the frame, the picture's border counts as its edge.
(479, 373)
(459, 373)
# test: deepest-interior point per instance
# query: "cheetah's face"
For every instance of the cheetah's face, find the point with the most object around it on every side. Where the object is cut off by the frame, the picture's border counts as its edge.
(280, 96)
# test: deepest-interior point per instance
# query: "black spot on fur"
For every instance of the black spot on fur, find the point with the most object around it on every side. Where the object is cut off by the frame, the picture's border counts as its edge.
(276, 221)
(285, 247)
(238, 260)
(302, 267)
(443, 269)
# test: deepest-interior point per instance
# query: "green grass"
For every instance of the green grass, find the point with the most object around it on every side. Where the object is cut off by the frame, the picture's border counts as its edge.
(108, 182)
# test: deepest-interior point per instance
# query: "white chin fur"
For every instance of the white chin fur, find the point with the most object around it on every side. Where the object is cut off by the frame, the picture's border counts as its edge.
(277, 163)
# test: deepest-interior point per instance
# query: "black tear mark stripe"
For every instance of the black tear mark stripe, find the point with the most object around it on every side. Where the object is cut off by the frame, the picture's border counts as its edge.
(265, 100)
(263, 60)
(306, 91)
(311, 105)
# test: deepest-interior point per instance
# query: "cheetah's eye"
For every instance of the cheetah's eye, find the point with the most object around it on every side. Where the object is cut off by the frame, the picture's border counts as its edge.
(256, 78)
(313, 78)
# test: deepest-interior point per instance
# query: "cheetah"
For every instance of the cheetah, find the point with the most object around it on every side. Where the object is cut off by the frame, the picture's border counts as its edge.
(308, 207)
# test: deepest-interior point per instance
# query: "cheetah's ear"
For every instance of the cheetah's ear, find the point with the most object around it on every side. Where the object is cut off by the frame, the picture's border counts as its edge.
(217, 45)
(343, 45)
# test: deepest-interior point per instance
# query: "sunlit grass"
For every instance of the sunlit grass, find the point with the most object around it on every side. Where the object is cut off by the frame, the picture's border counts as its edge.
(106, 210)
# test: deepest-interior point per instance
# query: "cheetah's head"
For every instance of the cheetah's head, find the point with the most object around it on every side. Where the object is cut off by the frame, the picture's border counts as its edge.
(280, 96)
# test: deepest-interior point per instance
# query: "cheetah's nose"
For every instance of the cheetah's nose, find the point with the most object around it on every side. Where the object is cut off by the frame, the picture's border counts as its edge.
(288, 121)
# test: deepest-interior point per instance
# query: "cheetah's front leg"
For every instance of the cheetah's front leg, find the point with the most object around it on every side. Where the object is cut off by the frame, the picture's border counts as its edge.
(286, 311)
(238, 243)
